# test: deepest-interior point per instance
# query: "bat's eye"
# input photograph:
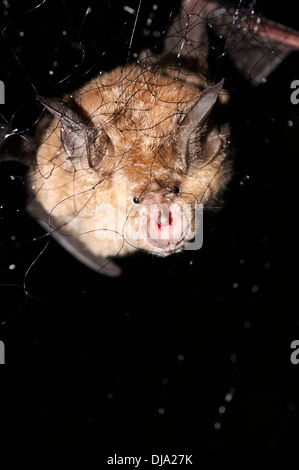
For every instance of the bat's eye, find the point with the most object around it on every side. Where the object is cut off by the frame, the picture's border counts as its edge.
(136, 200)
(176, 190)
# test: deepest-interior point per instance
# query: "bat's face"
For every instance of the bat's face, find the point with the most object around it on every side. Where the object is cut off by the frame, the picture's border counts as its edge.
(135, 175)
(154, 210)
(159, 196)
(155, 220)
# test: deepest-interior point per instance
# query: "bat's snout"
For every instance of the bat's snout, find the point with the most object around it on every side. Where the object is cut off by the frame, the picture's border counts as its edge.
(165, 225)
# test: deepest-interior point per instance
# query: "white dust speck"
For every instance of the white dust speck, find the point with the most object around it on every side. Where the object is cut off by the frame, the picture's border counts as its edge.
(129, 10)
(229, 396)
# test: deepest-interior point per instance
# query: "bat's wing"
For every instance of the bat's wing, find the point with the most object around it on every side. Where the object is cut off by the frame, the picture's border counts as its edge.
(255, 44)
(73, 244)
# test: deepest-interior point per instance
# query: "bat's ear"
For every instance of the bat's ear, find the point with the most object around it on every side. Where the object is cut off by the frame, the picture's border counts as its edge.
(194, 122)
(77, 134)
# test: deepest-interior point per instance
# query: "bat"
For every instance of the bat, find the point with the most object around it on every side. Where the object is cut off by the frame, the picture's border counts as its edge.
(123, 162)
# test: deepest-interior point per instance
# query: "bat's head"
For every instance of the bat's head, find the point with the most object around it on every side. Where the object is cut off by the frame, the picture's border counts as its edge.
(140, 163)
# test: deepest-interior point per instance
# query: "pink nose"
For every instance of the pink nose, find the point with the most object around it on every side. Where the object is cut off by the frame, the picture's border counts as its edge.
(166, 225)
(164, 216)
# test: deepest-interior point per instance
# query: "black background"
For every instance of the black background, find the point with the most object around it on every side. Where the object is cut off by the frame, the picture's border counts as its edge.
(143, 362)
